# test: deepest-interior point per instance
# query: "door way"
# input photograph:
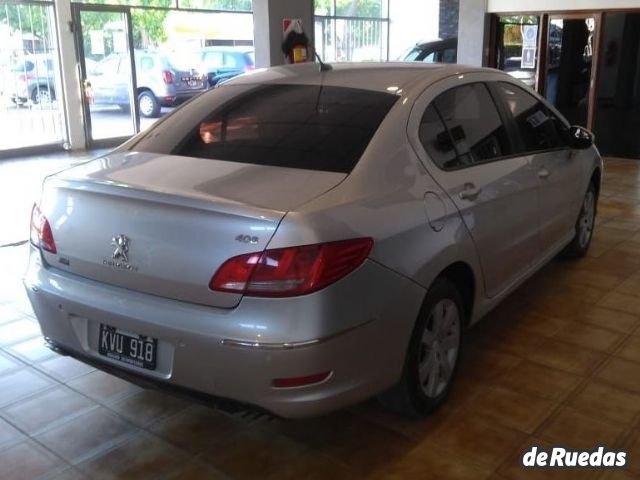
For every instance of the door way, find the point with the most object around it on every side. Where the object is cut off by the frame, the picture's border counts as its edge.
(104, 44)
(569, 62)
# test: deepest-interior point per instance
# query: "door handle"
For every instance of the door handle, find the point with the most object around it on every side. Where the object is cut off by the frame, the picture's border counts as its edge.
(544, 173)
(470, 192)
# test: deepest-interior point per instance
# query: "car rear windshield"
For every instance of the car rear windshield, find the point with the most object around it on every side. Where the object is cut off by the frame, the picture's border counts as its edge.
(298, 126)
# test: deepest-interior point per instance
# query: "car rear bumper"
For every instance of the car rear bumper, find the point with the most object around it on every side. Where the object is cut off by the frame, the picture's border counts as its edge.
(179, 97)
(360, 336)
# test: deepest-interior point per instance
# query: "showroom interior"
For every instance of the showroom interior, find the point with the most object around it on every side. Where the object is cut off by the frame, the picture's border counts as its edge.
(555, 363)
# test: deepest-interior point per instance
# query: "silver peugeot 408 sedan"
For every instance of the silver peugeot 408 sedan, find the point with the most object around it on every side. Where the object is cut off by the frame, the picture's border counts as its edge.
(300, 239)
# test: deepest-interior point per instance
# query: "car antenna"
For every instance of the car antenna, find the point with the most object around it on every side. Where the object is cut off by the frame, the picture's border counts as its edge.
(324, 67)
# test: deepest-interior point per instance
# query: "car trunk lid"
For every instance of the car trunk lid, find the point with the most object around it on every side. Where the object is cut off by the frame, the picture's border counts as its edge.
(163, 224)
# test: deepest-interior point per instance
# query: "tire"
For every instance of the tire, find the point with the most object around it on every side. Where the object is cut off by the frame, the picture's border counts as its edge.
(438, 326)
(148, 104)
(43, 95)
(579, 246)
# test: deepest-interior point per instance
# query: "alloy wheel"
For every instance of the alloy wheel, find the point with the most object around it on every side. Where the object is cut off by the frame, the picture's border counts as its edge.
(439, 347)
(587, 218)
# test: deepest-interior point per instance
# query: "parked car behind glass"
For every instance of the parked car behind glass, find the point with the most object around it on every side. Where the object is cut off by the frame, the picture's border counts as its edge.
(33, 79)
(223, 63)
(303, 240)
(163, 80)
(437, 51)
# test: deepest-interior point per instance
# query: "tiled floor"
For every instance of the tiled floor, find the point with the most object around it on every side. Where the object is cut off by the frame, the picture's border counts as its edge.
(558, 363)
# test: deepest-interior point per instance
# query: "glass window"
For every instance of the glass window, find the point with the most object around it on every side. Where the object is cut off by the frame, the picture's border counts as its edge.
(352, 30)
(298, 126)
(429, 58)
(436, 139)
(228, 5)
(450, 55)
(474, 124)
(146, 63)
(517, 47)
(213, 59)
(539, 128)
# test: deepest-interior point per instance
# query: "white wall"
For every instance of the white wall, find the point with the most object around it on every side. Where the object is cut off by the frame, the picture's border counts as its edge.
(473, 32)
(410, 22)
(551, 5)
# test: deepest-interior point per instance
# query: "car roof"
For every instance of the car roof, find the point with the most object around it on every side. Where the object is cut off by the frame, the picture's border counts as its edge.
(447, 42)
(389, 77)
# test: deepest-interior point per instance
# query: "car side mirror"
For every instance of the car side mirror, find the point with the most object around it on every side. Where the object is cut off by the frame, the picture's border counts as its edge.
(579, 137)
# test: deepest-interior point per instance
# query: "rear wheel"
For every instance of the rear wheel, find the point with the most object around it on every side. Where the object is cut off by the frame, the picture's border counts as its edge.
(432, 355)
(148, 104)
(584, 225)
(43, 95)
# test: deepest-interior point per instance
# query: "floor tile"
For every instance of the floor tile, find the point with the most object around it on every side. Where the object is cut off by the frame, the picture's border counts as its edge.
(365, 446)
(621, 373)
(87, 435)
(431, 462)
(576, 430)
(28, 461)
(64, 368)
(9, 314)
(607, 402)
(313, 465)
(510, 409)
(476, 439)
(18, 330)
(196, 428)
(33, 350)
(8, 364)
(17, 385)
(103, 387)
(620, 301)
(142, 457)
(630, 349)
(40, 411)
(588, 336)
(531, 378)
(266, 450)
(608, 318)
(197, 470)
(147, 406)
(9, 435)
(566, 357)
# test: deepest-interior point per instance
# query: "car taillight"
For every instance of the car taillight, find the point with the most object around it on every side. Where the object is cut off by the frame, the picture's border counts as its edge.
(167, 76)
(41, 235)
(23, 77)
(285, 272)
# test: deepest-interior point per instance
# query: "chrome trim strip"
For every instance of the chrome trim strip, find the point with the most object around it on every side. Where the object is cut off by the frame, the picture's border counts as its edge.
(268, 346)
(287, 345)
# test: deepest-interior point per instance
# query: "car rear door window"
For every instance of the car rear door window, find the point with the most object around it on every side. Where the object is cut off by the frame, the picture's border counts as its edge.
(475, 129)
(299, 126)
(538, 127)
(436, 139)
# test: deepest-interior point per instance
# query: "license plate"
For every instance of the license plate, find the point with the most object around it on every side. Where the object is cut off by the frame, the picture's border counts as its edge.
(133, 349)
(193, 83)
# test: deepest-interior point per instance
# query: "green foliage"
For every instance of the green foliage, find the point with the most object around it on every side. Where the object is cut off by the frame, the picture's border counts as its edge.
(350, 8)
(230, 5)
(27, 19)
(148, 27)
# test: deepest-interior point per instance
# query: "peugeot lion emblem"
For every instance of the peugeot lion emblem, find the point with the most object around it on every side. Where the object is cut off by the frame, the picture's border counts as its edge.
(121, 242)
